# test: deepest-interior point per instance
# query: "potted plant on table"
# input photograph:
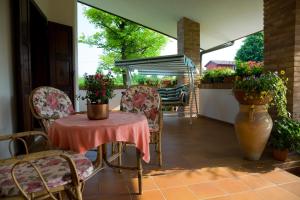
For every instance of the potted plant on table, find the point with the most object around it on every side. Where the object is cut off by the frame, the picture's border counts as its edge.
(99, 89)
(285, 137)
(253, 124)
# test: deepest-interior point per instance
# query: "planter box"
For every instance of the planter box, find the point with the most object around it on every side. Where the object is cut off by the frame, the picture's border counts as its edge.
(216, 86)
(218, 104)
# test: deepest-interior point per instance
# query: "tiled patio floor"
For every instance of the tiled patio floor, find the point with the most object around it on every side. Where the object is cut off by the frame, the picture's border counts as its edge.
(202, 161)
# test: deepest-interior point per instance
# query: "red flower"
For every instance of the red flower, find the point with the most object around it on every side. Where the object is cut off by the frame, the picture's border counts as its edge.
(97, 93)
(97, 76)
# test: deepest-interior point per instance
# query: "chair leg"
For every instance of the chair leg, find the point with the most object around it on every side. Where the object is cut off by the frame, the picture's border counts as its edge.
(120, 155)
(140, 170)
(112, 148)
(60, 196)
(78, 192)
(158, 143)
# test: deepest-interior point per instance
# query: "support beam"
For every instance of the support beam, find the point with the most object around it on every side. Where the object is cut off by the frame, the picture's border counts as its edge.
(188, 43)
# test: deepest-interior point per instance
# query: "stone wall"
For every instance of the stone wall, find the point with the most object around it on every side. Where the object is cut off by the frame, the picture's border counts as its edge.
(282, 45)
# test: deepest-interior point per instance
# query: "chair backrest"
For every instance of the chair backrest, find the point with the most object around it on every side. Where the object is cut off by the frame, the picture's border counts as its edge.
(143, 99)
(48, 104)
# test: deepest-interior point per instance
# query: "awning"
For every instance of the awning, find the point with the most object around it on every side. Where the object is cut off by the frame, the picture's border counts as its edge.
(163, 65)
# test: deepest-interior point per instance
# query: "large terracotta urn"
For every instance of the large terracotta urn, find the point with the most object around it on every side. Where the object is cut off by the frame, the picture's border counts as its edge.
(253, 126)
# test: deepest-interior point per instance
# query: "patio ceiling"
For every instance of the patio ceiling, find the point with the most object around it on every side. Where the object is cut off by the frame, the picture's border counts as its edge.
(220, 20)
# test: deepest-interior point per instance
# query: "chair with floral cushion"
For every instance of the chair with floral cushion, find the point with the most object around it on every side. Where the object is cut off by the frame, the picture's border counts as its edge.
(48, 104)
(42, 175)
(144, 99)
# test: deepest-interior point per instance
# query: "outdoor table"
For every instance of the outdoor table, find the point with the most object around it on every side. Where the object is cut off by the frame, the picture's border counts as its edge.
(79, 134)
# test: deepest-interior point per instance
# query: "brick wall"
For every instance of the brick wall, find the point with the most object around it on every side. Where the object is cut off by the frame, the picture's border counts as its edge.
(282, 45)
(188, 43)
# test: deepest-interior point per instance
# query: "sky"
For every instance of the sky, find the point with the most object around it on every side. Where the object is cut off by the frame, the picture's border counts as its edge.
(88, 56)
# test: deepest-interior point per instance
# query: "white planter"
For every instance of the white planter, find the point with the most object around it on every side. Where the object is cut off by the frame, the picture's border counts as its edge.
(218, 104)
(114, 103)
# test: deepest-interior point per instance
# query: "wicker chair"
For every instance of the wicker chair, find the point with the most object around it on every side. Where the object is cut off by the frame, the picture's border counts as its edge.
(42, 175)
(48, 104)
(144, 99)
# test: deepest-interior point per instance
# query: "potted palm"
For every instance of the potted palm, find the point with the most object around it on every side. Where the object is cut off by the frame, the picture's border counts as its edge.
(253, 124)
(99, 89)
(285, 137)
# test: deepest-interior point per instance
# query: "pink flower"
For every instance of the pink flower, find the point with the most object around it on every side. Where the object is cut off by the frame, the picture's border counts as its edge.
(97, 93)
(52, 101)
(139, 99)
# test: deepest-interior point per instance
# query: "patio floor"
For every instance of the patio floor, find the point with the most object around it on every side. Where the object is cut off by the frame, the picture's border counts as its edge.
(202, 161)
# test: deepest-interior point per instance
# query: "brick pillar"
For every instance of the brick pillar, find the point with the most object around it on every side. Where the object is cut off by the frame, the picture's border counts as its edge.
(188, 43)
(282, 45)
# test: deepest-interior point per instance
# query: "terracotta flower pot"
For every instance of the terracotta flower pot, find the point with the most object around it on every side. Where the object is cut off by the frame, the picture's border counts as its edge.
(252, 99)
(97, 111)
(229, 79)
(280, 155)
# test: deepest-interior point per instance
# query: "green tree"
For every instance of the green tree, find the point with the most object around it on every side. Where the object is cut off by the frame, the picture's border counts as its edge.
(121, 39)
(252, 49)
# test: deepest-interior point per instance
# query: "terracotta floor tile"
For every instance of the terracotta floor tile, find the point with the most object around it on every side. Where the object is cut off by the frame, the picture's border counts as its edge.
(227, 197)
(92, 187)
(107, 188)
(148, 184)
(171, 180)
(206, 190)
(191, 177)
(149, 195)
(178, 193)
(276, 193)
(232, 185)
(292, 187)
(109, 197)
(201, 160)
(246, 196)
(279, 177)
(256, 182)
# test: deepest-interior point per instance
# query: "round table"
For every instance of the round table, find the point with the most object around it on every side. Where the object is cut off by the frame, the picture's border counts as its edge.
(79, 134)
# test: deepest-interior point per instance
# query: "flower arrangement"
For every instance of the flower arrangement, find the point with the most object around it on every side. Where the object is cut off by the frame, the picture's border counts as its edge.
(269, 87)
(250, 68)
(99, 88)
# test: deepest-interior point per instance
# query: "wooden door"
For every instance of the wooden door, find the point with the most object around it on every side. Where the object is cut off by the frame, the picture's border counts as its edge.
(22, 63)
(61, 58)
(39, 47)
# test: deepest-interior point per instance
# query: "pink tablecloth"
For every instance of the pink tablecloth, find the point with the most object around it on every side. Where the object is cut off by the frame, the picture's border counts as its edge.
(78, 133)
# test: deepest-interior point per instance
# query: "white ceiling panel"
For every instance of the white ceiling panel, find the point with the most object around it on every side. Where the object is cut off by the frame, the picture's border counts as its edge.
(220, 20)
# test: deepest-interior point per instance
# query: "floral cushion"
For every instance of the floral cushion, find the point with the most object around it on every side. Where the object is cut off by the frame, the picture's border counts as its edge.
(49, 102)
(55, 171)
(143, 99)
